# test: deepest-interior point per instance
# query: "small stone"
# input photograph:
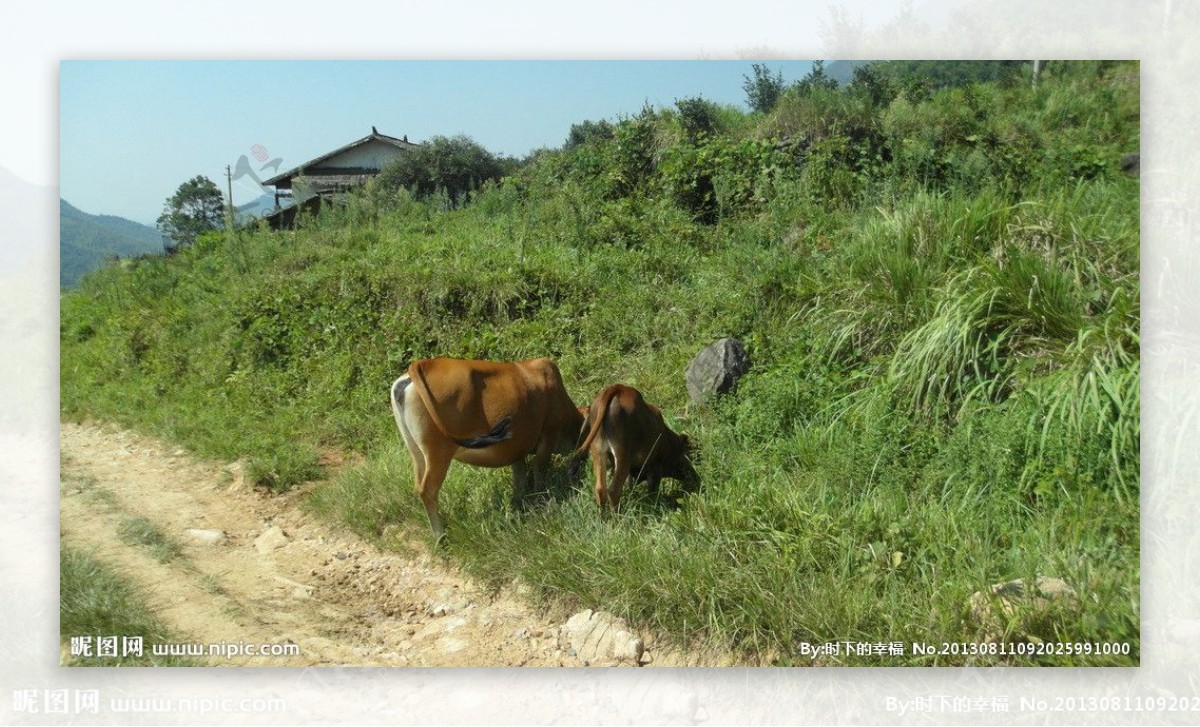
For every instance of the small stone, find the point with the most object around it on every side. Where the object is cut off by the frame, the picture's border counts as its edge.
(273, 538)
(627, 647)
(451, 645)
(438, 610)
(198, 536)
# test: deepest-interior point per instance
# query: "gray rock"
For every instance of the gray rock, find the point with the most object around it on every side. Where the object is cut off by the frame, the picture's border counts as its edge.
(716, 369)
(1132, 164)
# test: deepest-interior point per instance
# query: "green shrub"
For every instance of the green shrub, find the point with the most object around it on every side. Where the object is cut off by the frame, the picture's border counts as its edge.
(453, 166)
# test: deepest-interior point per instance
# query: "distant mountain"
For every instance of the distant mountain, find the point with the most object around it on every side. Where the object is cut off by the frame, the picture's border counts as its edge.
(842, 71)
(85, 241)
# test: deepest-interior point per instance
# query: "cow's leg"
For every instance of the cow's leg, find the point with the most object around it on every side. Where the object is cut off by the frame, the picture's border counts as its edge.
(520, 481)
(414, 450)
(652, 484)
(418, 460)
(411, 420)
(600, 468)
(437, 464)
(541, 463)
(620, 477)
(401, 413)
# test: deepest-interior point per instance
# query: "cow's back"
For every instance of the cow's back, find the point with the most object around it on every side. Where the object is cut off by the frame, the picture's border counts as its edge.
(633, 425)
(466, 393)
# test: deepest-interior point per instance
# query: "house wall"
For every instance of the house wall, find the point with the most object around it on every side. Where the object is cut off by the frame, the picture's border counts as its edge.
(371, 155)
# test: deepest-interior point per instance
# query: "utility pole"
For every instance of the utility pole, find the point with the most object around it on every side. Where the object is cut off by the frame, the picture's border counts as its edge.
(229, 184)
(231, 230)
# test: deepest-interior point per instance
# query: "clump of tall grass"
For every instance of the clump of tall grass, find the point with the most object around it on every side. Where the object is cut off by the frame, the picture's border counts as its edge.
(142, 532)
(992, 320)
(902, 259)
(1092, 405)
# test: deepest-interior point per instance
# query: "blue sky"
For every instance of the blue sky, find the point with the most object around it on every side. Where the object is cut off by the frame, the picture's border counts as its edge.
(132, 131)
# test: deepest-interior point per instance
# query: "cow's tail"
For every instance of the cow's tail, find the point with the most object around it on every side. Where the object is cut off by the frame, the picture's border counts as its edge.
(596, 416)
(499, 433)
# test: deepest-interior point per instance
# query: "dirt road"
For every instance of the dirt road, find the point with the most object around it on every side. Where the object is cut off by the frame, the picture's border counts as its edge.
(252, 567)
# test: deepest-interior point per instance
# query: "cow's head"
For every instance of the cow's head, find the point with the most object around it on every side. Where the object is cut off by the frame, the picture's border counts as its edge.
(682, 465)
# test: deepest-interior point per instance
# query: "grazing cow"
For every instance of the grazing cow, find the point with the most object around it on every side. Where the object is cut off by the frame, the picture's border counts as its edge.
(484, 413)
(626, 433)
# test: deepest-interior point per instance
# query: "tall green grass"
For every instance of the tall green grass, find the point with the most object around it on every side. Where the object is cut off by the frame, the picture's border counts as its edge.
(95, 601)
(142, 532)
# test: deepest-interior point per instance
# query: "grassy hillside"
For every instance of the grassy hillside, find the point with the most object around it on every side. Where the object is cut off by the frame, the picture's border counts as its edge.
(86, 241)
(938, 289)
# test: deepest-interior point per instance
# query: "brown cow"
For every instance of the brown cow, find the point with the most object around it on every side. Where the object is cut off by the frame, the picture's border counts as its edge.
(484, 413)
(626, 433)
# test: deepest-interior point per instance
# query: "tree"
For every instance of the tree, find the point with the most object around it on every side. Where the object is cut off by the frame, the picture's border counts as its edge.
(936, 75)
(587, 132)
(195, 208)
(816, 79)
(698, 116)
(452, 165)
(763, 91)
(873, 82)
